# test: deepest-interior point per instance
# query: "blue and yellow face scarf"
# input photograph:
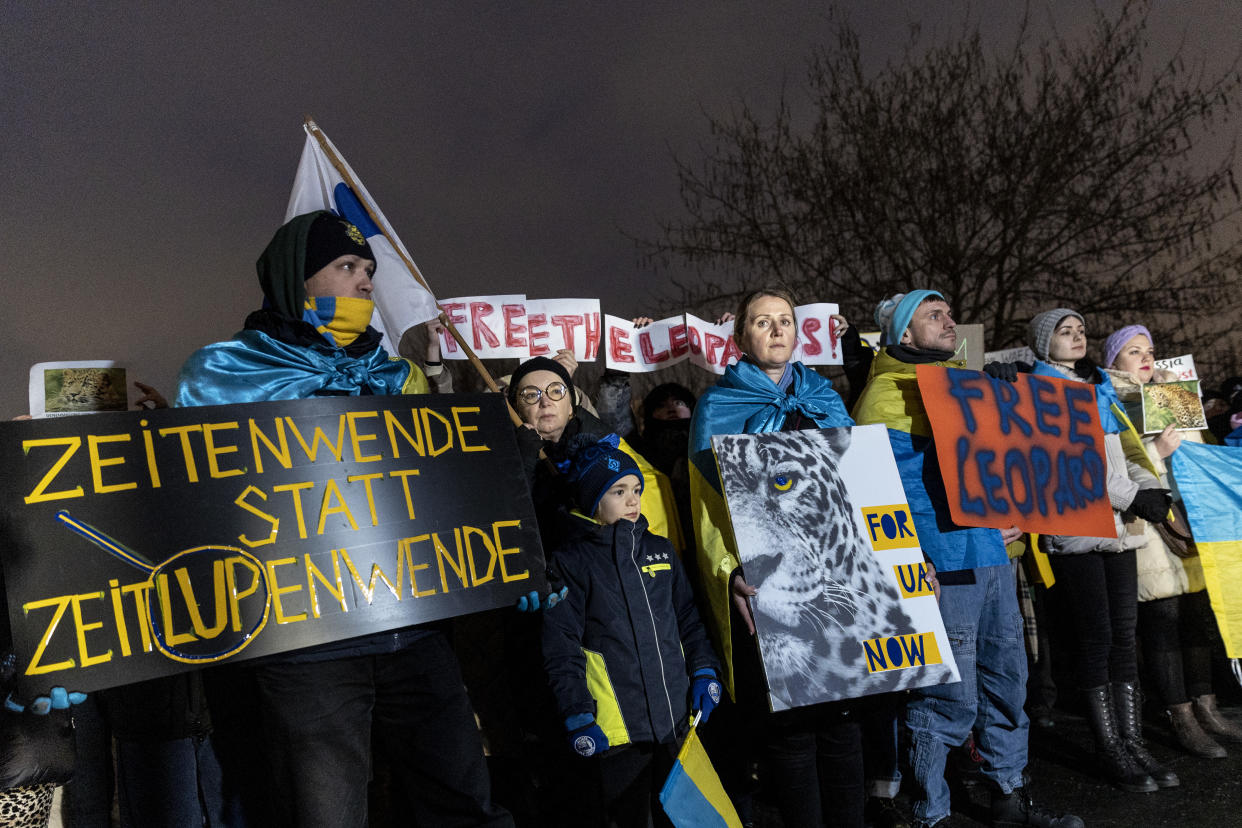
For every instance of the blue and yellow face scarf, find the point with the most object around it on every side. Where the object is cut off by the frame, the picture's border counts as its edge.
(341, 319)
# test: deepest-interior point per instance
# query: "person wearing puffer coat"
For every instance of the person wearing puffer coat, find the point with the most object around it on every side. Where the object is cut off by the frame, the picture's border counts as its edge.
(1174, 614)
(1099, 575)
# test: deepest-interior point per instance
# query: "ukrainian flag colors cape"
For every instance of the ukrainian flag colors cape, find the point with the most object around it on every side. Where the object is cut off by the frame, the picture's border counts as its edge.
(743, 401)
(1209, 479)
(693, 796)
(659, 505)
(892, 399)
(1106, 399)
(254, 367)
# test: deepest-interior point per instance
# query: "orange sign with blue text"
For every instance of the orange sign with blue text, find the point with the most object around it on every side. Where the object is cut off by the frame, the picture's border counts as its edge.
(1028, 453)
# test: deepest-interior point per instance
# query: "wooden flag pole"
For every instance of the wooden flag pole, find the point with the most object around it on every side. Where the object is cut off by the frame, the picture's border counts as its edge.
(314, 130)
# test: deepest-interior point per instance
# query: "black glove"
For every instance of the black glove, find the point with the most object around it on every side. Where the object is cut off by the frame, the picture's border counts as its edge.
(36, 740)
(529, 445)
(1006, 371)
(1152, 505)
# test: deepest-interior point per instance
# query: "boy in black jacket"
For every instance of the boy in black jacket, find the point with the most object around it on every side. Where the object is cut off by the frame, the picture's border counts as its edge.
(628, 659)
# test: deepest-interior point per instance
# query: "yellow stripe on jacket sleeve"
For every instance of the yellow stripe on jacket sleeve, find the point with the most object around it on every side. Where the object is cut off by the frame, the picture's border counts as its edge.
(607, 708)
(1222, 570)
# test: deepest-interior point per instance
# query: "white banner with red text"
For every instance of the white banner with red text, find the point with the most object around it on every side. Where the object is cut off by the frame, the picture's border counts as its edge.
(514, 327)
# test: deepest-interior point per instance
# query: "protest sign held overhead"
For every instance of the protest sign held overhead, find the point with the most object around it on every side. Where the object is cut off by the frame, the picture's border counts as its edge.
(825, 535)
(494, 327)
(1028, 453)
(500, 327)
(1183, 367)
(511, 326)
(564, 324)
(710, 346)
(141, 544)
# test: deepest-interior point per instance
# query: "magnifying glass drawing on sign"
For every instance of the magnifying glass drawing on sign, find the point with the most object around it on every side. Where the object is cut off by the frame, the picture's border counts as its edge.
(240, 610)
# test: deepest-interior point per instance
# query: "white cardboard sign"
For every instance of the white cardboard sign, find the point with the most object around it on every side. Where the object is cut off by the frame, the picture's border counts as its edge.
(826, 537)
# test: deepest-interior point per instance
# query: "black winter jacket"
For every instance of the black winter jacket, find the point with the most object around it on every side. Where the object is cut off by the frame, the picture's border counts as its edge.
(627, 639)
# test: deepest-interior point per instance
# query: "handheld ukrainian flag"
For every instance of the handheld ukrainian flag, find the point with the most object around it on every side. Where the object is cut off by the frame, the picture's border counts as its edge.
(692, 796)
(1209, 479)
(324, 181)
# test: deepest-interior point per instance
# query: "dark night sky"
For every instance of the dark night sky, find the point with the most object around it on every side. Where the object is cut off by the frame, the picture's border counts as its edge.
(148, 149)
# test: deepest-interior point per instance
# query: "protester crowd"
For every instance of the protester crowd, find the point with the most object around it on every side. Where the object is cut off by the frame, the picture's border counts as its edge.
(646, 626)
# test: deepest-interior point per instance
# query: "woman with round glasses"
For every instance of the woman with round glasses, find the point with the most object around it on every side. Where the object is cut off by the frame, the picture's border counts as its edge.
(542, 392)
(813, 754)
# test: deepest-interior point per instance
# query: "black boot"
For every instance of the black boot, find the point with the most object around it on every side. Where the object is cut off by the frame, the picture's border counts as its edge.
(1129, 706)
(1116, 762)
(1213, 722)
(1191, 735)
(1017, 809)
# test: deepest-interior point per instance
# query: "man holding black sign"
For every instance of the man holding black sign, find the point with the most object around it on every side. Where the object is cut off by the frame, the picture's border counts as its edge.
(321, 705)
(978, 599)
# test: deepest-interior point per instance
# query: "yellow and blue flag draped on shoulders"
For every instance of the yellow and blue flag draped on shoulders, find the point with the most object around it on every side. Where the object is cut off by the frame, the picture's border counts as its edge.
(1209, 479)
(744, 401)
(1112, 413)
(659, 505)
(254, 367)
(692, 795)
(892, 399)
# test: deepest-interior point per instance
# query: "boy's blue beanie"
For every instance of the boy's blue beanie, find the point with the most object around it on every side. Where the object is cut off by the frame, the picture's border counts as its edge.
(594, 469)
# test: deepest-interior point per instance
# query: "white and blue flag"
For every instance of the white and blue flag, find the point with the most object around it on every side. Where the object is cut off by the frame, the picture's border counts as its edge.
(401, 301)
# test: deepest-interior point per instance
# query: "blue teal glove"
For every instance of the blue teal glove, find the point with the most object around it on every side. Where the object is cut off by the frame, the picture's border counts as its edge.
(704, 693)
(58, 698)
(585, 737)
(530, 601)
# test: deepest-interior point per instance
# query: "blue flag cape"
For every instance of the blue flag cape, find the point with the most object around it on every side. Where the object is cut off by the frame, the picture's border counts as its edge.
(744, 401)
(892, 398)
(254, 367)
(1105, 396)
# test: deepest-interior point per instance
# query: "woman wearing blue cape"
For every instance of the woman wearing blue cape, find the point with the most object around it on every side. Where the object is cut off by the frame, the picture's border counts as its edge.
(812, 755)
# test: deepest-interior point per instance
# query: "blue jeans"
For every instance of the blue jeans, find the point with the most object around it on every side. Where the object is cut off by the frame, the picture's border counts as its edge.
(981, 618)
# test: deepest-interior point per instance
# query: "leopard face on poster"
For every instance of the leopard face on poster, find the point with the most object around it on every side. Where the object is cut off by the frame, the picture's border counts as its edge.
(826, 537)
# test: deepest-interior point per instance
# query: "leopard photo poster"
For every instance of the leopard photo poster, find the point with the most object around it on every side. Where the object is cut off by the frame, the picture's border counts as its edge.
(826, 537)
(1174, 404)
(59, 389)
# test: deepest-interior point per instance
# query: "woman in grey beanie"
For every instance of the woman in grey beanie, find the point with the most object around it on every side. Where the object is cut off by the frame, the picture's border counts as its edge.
(1099, 575)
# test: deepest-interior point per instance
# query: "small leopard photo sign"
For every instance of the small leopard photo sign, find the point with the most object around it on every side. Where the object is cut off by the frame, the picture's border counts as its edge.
(1174, 404)
(60, 389)
(826, 537)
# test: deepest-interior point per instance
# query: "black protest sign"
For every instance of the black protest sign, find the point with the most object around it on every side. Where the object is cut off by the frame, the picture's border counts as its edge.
(146, 543)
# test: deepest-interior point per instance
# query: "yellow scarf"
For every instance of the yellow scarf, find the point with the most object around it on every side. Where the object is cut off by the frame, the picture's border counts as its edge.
(341, 319)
